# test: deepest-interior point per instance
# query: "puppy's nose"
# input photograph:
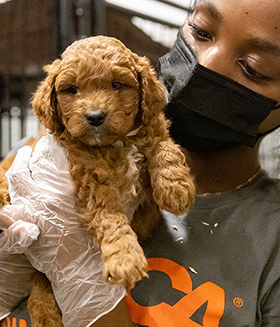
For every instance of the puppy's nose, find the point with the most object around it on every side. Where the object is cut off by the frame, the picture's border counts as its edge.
(96, 117)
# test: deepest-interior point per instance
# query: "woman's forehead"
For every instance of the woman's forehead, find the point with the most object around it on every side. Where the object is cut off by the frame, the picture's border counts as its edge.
(263, 7)
(254, 18)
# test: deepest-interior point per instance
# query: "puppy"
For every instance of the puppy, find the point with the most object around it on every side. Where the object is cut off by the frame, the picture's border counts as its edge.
(104, 105)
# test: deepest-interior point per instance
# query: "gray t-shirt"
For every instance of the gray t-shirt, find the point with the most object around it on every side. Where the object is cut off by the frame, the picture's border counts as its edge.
(19, 317)
(218, 266)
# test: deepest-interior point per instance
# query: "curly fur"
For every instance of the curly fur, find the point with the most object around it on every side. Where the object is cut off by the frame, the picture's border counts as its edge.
(125, 163)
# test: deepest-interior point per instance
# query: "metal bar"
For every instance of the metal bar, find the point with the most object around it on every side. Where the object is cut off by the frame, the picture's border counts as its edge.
(100, 17)
(173, 4)
(83, 14)
(56, 28)
(135, 13)
(8, 7)
(66, 31)
(24, 61)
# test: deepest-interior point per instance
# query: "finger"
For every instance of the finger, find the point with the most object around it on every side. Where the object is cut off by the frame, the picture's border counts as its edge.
(20, 163)
(18, 237)
(19, 176)
(9, 214)
(6, 219)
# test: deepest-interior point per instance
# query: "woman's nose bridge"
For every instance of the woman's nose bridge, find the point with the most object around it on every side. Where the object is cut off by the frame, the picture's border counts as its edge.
(216, 58)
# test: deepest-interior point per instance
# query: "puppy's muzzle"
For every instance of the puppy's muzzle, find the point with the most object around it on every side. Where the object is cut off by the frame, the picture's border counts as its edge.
(96, 117)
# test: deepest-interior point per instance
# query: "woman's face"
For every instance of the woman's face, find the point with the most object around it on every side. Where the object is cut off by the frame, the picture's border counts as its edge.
(240, 40)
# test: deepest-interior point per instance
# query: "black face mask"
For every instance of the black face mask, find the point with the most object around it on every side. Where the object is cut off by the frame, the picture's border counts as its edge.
(209, 111)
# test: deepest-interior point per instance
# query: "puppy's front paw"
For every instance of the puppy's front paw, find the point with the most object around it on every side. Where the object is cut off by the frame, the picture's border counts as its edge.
(124, 262)
(174, 193)
(173, 189)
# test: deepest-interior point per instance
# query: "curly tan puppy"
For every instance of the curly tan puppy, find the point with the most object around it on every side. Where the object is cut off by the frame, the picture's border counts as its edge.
(104, 104)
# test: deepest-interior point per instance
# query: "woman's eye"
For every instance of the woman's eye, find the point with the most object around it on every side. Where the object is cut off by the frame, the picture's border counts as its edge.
(117, 86)
(199, 34)
(252, 74)
(72, 89)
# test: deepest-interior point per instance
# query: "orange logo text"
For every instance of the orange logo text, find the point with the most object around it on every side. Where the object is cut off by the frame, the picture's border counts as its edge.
(178, 315)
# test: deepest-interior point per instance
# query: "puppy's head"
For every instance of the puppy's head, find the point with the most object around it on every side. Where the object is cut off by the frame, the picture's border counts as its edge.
(98, 92)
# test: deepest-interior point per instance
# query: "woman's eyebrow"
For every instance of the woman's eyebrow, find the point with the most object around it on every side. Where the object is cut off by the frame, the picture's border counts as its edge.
(262, 45)
(211, 8)
(255, 43)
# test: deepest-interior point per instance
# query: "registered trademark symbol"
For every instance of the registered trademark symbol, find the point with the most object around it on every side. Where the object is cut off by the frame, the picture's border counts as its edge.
(238, 302)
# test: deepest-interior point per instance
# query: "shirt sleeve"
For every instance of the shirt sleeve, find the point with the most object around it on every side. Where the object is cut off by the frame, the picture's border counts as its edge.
(16, 278)
(269, 291)
(271, 307)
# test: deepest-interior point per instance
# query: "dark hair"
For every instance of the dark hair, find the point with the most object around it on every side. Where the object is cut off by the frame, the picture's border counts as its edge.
(192, 6)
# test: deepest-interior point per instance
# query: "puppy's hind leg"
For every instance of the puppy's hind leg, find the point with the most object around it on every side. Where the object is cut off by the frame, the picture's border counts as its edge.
(43, 309)
(146, 219)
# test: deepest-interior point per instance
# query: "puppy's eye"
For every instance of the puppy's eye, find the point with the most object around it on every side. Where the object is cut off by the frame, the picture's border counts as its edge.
(117, 85)
(72, 89)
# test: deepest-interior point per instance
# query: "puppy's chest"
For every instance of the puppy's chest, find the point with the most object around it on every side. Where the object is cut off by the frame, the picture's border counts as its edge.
(121, 169)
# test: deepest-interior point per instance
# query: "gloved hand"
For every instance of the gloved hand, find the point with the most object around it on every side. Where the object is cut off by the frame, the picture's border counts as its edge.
(42, 190)
(15, 269)
(17, 234)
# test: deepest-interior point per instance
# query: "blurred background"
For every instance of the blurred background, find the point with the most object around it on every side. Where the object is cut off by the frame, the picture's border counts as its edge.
(35, 32)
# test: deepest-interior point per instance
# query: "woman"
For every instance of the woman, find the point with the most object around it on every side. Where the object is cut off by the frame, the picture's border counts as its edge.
(226, 251)
(219, 265)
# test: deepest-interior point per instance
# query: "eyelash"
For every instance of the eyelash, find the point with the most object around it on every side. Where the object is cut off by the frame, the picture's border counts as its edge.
(252, 74)
(201, 35)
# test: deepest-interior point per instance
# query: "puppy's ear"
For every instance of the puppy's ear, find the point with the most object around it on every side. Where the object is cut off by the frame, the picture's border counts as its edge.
(152, 91)
(44, 100)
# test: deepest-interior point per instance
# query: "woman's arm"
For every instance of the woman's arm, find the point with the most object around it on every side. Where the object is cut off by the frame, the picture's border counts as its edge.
(119, 317)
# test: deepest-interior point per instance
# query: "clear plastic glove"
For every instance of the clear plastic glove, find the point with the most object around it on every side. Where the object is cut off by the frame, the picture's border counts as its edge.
(18, 237)
(16, 272)
(17, 234)
(42, 187)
